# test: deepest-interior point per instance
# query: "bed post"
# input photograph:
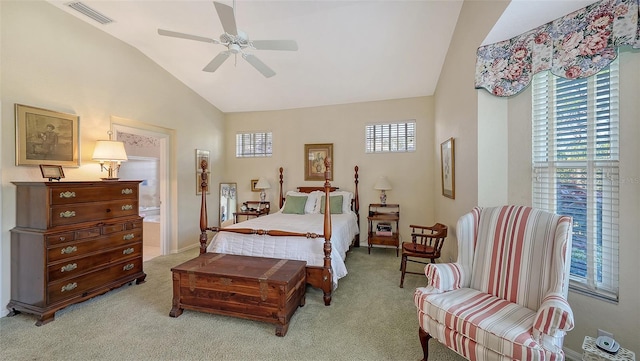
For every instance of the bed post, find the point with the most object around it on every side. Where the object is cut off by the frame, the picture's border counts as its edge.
(203, 207)
(356, 206)
(327, 278)
(281, 199)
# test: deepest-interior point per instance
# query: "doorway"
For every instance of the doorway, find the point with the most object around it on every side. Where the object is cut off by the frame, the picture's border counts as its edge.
(148, 150)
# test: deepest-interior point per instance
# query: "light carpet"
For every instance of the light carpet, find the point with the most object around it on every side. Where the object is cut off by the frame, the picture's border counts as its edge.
(370, 318)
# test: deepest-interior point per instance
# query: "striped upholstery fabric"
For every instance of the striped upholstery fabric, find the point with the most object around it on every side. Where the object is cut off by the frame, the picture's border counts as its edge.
(505, 297)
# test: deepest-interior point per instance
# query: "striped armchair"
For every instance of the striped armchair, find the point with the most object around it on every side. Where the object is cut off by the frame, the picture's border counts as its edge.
(506, 296)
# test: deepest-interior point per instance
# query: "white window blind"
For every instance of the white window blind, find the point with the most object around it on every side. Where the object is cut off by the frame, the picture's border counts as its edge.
(390, 137)
(258, 144)
(575, 166)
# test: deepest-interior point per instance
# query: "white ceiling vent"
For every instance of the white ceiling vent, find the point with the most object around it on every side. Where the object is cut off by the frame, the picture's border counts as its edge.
(93, 14)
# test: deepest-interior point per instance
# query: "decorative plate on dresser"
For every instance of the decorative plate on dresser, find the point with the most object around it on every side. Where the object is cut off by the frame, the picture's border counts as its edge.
(73, 241)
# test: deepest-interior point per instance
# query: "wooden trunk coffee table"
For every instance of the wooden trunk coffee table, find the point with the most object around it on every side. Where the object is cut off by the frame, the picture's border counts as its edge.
(257, 288)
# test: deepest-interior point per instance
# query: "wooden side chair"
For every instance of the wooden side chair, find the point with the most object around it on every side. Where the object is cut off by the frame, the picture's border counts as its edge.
(426, 242)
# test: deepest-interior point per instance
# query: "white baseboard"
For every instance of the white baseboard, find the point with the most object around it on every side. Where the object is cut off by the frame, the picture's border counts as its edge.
(571, 354)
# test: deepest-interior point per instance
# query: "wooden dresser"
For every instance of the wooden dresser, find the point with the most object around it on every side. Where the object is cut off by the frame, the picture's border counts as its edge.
(73, 241)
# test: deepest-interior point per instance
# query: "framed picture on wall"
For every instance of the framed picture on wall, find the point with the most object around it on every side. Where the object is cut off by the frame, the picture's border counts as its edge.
(202, 155)
(314, 156)
(46, 137)
(447, 163)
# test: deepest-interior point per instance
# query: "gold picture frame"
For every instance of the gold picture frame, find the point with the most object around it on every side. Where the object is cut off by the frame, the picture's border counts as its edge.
(254, 182)
(314, 156)
(200, 156)
(448, 168)
(51, 171)
(46, 136)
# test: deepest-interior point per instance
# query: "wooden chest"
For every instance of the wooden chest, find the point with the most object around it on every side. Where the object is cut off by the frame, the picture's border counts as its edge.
(263, 289)
(72, 241)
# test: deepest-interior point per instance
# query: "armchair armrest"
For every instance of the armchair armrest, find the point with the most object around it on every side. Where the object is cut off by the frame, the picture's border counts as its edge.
(554, 316)
(442, 277)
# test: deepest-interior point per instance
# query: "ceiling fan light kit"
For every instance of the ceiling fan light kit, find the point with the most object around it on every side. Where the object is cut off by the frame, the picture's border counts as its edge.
(236, 42)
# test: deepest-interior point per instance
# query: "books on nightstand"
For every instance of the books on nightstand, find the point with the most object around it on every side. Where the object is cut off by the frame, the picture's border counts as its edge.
(384, 229)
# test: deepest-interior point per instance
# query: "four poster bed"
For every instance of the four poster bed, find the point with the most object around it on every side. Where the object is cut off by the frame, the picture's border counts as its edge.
(320, 238)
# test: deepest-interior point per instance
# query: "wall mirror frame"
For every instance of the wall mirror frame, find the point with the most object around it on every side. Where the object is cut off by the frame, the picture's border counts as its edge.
(228, 201)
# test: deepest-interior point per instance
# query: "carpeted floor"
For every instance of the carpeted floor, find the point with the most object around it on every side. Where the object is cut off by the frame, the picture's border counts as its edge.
(370, 318)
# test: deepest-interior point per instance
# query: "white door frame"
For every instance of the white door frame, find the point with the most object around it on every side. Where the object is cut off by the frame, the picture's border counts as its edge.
(168, 228)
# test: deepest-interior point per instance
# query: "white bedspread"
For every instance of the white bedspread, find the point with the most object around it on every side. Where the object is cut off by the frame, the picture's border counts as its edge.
(344, 228)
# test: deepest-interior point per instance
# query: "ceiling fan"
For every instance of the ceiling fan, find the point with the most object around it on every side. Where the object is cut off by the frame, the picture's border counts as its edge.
(236, 42)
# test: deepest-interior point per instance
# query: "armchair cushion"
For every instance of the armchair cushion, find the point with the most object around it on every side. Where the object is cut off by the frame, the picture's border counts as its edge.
(501, 326)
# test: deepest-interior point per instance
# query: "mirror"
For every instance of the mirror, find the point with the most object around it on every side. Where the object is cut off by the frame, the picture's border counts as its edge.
(228, 201)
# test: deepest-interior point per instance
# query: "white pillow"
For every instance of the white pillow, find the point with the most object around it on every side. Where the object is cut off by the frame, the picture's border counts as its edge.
(310, 206)
(346, 200)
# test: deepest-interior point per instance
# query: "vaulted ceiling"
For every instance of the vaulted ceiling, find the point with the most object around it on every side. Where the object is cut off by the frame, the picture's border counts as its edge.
(348, 51)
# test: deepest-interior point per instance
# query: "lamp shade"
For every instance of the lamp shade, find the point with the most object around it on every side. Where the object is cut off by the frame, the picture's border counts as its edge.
(382, 184)
(263, 183)
(109, 150)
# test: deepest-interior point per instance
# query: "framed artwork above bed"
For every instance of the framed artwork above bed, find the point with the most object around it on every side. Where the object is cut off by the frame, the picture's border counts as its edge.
(314, 156)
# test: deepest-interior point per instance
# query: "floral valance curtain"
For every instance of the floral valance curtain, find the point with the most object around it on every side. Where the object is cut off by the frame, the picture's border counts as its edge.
(575, 46)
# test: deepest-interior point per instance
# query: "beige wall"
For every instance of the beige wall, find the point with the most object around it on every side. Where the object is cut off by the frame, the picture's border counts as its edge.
(622, 319)
(456, 105)
(456, 113)
(52, 60)
(410, 173)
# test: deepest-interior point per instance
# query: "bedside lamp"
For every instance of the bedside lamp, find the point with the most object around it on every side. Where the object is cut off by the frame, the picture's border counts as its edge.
(111, 151)
(383, 185)
(262, 185)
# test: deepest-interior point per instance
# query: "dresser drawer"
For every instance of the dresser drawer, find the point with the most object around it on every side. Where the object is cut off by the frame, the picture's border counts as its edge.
(73, 236)
(58, 291)
(74, 267)
(119, 227)
(80, 249)
(82, 194)
(83, 212)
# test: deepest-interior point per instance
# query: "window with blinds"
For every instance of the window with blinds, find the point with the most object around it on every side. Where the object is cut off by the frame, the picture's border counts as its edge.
(390, 137)
(258, 144)
(575, 170)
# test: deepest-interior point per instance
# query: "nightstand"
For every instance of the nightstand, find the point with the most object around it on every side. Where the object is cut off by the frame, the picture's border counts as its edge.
(253, 209)
(384, 220)
(592, 353)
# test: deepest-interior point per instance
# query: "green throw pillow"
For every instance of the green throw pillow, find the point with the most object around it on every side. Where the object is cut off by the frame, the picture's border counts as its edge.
(294, 205)
(335, 204)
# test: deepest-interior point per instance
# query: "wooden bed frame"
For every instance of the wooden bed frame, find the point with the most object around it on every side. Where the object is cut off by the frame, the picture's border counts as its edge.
(317, 276)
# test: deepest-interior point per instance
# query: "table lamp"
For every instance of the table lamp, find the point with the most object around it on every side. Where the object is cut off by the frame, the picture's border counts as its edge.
(111, 152)
(263, 184)
(383, 185)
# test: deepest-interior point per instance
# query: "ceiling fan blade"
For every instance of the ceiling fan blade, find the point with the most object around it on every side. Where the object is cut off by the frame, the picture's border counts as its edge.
(227, 18)
(275, 45)
(217, 61)
(176, 34)
(259, 65)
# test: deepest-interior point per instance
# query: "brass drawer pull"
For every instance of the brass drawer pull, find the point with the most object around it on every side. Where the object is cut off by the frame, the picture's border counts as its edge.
(67, 214)
(127, 191)
(127, 207)
(69, 250)
(128, 251)
(69, 267)
(62, 238)
(128, 267)
(128, 237)
(67, 194)
(69, 286)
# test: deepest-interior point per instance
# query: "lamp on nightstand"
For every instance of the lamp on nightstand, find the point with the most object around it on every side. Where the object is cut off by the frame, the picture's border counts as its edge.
(111, 151)
(383, 185)
(263, 184)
